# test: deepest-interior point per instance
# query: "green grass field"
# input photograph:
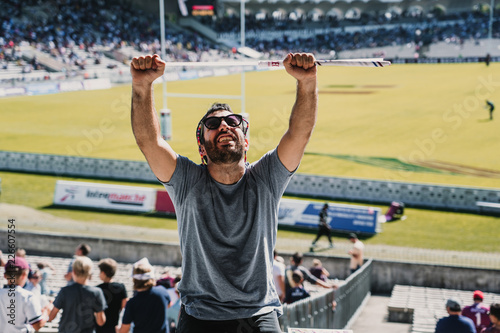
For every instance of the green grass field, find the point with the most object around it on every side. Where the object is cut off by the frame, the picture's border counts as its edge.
(378, 123)
(410, 113)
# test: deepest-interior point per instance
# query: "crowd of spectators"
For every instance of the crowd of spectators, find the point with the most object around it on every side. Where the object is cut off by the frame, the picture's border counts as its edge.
(76, 32)
(63, 28)
(467, 27)
(154, 306)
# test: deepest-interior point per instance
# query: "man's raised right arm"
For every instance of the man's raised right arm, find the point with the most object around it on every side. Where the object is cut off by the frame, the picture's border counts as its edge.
(161, 157)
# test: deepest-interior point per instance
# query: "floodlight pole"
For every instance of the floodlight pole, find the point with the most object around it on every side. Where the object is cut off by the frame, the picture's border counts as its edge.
(165, 116)
(490, 28)
(242, 42)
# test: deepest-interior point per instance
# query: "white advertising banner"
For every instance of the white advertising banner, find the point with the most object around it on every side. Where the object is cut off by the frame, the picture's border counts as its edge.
(104, 196)
(96, 84)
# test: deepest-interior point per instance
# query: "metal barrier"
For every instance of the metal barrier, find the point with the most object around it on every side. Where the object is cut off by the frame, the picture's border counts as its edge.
(350, 295)
(318, 312)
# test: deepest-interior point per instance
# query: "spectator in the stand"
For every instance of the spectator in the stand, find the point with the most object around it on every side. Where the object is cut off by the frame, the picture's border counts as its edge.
(81, 250)
(477, 312)
(356, 253)
(319, 271)
(297, 292)
(296, 264)
(33, 283)
(20, 311)
(174, 310)
(454, 323)
(494, 318)
(114, 293)
(21, 253)
(279, 275)
(82, 305)
(148, 308)
(46, 270)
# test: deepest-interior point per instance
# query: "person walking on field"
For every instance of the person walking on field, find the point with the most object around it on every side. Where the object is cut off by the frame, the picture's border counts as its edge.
(226, 208)
(324, 228)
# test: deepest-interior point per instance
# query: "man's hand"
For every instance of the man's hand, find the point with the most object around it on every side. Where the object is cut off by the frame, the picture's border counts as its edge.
(300, 65)
(146, 69)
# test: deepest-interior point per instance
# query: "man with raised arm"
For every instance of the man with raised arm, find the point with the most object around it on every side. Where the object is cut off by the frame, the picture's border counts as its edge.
(226, 208)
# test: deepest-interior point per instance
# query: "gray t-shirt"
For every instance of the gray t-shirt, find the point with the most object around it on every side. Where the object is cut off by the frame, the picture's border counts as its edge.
(227, 236)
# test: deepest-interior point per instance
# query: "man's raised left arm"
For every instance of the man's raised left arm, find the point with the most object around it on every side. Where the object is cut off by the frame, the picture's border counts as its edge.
(291, 148)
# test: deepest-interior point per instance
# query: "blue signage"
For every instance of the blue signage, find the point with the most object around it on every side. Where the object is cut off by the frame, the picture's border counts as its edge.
(341, 217)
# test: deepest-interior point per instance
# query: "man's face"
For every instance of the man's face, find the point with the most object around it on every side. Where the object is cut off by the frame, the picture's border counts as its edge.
(225, 144)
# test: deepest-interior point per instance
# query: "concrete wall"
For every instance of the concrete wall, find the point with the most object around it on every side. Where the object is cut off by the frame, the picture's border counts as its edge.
(168, 254)
(385, 274)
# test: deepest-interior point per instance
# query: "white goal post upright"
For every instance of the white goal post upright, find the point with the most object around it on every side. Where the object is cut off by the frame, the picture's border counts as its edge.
(165, 113)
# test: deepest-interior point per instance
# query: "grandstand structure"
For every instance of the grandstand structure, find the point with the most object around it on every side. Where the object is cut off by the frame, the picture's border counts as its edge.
(44, 41)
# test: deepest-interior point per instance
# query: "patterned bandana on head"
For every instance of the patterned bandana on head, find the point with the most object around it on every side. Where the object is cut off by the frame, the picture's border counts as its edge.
(204, 159)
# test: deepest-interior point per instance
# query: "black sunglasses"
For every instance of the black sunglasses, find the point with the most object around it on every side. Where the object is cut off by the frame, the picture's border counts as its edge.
(232, 120)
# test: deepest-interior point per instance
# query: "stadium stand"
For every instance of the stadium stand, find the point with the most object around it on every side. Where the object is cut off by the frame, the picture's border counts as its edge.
(423, 307)
(56, 281)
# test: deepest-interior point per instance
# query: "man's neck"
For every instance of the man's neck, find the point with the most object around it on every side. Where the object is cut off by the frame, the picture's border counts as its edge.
(228, 174)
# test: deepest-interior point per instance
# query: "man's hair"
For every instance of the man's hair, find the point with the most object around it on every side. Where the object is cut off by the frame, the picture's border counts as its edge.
(143, 284)
(495, 310)
(82, 266)
(214, 108)
(84, 248)
(21, 253)
(108, 267)
(297, 257)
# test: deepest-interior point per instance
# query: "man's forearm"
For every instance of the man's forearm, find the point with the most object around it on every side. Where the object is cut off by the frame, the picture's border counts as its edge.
(145, 124)
(304, 111)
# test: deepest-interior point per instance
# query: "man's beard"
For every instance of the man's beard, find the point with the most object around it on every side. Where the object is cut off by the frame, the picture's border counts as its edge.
(225, 154)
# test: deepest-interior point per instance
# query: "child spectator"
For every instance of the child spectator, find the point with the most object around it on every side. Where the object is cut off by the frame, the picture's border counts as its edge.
(45, 271)
(319, 271)
(495, 319)
(33, 283)
(148, 308)
(114, 293)
(19, 310)
(82, 305)
(298, 292)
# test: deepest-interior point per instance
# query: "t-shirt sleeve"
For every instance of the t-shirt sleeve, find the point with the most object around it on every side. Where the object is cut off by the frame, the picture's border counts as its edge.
(33, 310)
(123, 292)
(272, 172)
(60, 299)
(100, 302)
(185, 175)
(127, 314)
